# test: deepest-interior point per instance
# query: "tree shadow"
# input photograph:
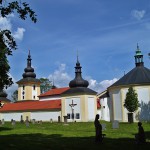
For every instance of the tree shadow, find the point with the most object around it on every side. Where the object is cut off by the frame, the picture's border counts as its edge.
(4, 128)
(58, 142)
(144, 114)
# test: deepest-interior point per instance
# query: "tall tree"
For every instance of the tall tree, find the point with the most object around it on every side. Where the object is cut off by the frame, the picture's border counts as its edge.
(131, 103)
(7, 41)
(46, 85)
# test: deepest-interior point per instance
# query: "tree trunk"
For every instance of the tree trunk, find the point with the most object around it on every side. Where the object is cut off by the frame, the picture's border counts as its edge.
(130, 117)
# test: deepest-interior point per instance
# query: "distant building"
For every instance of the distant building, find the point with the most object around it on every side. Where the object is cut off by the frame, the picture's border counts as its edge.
(74, 103)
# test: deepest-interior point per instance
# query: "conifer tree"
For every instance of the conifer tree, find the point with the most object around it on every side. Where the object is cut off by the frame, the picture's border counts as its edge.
(131, 102)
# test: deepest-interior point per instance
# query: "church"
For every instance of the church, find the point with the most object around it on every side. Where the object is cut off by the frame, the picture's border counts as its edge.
(76, 103)
(112, 100)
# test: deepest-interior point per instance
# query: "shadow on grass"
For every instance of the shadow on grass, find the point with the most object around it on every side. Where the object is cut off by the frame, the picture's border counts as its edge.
(4, 129)
(58, 142)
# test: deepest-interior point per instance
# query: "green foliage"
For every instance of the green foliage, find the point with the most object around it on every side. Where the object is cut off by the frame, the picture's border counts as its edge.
(7, 42)
(131, 101)
(46, 85)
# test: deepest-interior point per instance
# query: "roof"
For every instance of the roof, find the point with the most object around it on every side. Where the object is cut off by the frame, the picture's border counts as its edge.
(79, 90)
(138, 75)
(53, 92)
(103, 94)
(31, 106)
(28, 79)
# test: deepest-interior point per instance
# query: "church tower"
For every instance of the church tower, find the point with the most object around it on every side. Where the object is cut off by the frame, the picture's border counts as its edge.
(28, 86)
(79, 102)
(138, 57)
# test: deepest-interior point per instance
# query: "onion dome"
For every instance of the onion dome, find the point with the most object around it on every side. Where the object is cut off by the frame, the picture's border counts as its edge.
(29, 71)
(78, 81)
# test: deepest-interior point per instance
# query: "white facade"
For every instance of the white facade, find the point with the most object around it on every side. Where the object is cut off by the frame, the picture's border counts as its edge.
(104, 110)
(8, 116)
(76, 109)
(46, 116)
(38, 115)
(120, 113)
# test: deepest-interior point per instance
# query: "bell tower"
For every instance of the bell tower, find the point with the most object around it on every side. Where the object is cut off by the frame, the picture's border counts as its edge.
(28, 86)
(138, 57)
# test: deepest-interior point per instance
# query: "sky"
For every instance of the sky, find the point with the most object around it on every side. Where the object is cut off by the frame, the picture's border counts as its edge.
(104, 33)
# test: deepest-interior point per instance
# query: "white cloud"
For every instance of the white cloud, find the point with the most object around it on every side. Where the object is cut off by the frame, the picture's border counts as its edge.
(5, 23)
(100, 86)
(18, 35)
(62, 79)
(60, 76)
(138, 14)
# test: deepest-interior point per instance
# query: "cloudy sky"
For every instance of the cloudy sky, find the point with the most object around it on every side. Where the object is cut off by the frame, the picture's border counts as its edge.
(104, 32)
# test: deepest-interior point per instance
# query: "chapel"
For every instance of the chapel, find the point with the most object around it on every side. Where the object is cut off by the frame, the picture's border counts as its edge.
(112, 100)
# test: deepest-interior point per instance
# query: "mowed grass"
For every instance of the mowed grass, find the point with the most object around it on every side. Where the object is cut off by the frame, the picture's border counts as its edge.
(74, 136)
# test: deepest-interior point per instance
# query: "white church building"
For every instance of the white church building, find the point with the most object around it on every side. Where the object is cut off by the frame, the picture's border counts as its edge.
(74, 103)
(77, 102)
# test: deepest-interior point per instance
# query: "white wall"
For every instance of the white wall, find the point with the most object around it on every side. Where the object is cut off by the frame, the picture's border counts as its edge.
(49, 98)
(91, 109)
(105, 113)
(8, 116)
(117, 105)
(45, 116)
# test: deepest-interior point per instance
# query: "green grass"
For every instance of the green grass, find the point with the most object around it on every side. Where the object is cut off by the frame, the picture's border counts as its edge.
(74, 136)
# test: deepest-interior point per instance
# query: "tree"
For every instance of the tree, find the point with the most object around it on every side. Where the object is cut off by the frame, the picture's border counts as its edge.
(131, 103)
(46, 85)
(7, 41)
(15, 96)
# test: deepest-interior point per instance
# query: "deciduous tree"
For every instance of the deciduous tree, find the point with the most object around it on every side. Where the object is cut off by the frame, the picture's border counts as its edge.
(7, 41)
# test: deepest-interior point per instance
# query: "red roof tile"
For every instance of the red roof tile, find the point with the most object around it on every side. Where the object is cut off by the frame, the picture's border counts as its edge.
(31, 105)
(53, 92)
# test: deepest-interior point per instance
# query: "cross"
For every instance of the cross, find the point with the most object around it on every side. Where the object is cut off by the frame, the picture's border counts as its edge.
(72, 105)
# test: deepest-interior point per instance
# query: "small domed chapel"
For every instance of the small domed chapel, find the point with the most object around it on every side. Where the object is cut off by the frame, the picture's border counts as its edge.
(76, 102)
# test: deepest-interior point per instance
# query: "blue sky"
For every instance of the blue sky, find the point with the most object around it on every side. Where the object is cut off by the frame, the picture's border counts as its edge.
(104, 32)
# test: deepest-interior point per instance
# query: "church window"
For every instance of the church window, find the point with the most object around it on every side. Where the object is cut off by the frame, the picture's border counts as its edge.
(68, 116)
(33, 87)
(72, 115)
(22, 97)
(23, 87)
(77, 116)
(33, 97)
(23, 93)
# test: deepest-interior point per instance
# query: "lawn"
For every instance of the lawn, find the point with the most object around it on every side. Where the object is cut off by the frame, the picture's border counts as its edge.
(74, 136)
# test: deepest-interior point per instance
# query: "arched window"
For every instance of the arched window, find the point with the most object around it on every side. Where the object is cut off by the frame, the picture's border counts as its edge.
(23, 87)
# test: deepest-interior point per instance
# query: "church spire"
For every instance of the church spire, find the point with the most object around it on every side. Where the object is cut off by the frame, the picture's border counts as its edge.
(29, 71)
(138, 57)
(78, 81)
